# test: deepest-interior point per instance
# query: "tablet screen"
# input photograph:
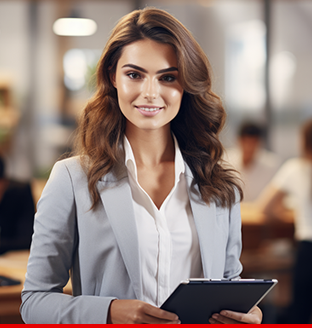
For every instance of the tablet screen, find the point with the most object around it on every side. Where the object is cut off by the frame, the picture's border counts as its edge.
(194, 301)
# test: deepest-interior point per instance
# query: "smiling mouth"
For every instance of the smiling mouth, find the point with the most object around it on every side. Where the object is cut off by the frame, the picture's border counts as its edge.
(149, 109)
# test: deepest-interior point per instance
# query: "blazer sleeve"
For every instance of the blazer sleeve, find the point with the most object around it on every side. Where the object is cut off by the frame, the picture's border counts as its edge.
(52, 252)
(233, 266)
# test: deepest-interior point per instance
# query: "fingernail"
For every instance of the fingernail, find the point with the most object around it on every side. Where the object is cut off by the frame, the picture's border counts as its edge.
(224, 313)
(215, 316)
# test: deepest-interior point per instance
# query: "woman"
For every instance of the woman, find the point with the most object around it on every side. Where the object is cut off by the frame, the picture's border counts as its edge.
(294, 180)
(146, 202)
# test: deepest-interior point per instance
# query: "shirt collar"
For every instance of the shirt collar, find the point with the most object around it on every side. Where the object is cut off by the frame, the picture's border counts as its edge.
(129, 159)
(131, 164)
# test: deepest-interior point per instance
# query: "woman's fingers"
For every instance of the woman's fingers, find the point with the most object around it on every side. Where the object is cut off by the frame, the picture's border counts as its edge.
(218, 318)
(159, 313)
(254, 316)
(152, 314)
(138, 312)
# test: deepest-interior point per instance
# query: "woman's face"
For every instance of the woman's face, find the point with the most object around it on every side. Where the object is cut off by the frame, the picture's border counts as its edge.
(147, 83)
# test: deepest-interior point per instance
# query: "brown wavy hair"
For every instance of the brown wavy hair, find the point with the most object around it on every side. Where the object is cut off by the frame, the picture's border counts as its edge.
(197, 126)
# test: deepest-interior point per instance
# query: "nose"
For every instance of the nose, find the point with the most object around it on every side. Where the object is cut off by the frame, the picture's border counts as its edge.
(150, 89)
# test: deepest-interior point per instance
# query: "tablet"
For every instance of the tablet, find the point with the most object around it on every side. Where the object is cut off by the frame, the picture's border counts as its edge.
(195, 300)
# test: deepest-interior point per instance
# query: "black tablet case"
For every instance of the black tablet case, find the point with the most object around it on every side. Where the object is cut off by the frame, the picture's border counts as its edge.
(196, 301)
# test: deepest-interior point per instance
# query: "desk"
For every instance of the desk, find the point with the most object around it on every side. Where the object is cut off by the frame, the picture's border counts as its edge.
(257, 229)
(14, 264)
(268, 250)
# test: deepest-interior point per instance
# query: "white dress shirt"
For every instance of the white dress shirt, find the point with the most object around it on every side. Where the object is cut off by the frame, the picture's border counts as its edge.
(295, 179)
(258, 174)
(168, 241)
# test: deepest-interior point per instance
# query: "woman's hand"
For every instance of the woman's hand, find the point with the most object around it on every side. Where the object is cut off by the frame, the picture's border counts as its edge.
(254, 316)
(138, 312)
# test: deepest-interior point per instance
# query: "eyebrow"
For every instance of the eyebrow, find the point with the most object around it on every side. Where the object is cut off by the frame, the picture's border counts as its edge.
(165, 70)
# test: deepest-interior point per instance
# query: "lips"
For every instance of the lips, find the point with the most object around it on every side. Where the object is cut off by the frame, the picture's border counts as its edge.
(149, 110)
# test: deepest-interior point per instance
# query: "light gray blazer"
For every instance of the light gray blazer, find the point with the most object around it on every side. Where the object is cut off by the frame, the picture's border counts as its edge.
(100, 250)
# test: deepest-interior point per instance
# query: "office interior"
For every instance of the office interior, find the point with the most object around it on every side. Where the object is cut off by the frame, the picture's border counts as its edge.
(261, 56)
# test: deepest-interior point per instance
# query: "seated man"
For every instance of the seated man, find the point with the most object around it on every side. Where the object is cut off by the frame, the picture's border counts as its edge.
(256, 165)
(16, 213)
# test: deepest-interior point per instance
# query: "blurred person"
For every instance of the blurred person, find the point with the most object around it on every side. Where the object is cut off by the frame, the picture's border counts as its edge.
(255, 164)
(294, 180)
(17, 210)
(146, 201)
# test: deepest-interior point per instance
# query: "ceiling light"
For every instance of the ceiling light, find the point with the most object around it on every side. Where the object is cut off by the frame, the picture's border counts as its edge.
(74, 26)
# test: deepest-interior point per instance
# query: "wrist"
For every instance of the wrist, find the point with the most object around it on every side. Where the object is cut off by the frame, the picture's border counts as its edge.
(109, 317)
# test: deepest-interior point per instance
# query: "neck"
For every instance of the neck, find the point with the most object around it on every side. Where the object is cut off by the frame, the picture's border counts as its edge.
(151, 147)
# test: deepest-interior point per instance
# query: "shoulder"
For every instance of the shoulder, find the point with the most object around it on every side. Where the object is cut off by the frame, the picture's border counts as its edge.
(71, 163)
(293, 164)
(66, 175)
(288, 173)
(69, 166)
(67, 178)
(74, 167)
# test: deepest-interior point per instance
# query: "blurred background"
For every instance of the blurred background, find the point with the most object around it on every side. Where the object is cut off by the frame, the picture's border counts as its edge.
(261, 55)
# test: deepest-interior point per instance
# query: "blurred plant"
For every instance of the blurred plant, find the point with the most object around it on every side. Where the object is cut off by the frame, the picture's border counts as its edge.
(43, 173)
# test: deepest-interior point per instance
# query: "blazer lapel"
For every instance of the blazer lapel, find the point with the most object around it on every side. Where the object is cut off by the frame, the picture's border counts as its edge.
(115, 193)
(204, 221)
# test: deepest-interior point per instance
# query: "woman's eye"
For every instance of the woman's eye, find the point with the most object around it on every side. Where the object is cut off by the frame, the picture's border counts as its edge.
(168, 78)
(134, 76)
